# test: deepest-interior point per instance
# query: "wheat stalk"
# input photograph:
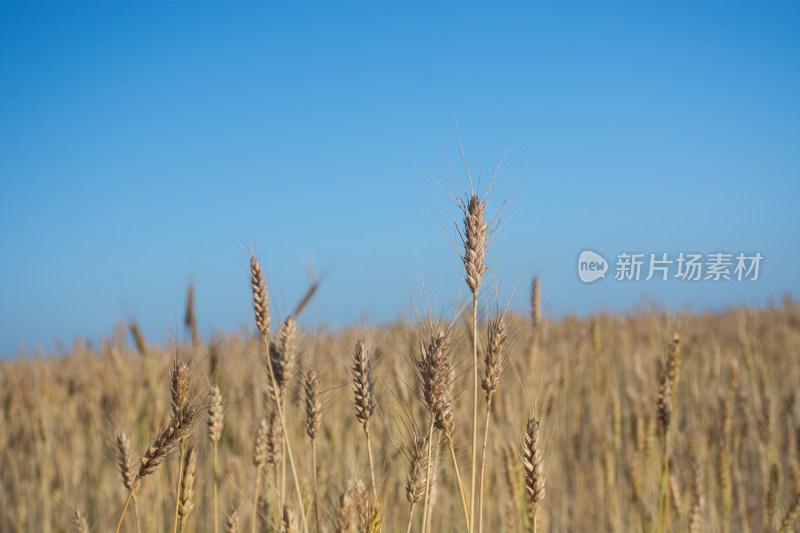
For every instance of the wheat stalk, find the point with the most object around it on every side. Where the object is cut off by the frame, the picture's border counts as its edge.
(215, 423)
(179, 387)
(417, 475)
(127, 468)
(259, 460)
(312, 421)
(187, 486)
(179, 427)
(534, 469)
(261, 307)
(435, 370)
(494, 361)
(363, 400)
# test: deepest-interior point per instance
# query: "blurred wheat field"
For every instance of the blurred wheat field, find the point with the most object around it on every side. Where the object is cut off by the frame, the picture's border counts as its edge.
(592, 383)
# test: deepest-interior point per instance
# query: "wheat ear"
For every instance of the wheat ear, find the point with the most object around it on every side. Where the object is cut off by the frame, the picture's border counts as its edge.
(534, 469)
(417, 475)
(127, 468)
(232, 522)
(78, 522)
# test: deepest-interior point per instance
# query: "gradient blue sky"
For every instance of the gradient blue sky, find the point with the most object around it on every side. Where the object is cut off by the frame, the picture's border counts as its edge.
(146, 144)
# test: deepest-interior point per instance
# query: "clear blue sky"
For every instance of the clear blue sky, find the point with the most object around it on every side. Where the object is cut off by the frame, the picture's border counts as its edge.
(146, 144)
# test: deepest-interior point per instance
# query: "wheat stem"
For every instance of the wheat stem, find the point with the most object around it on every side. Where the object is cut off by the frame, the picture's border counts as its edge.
(178, 488)
(285, 436)
(427, 477)
(483, 463)
(124, 508)
(216, 481)
(371, 468)
(473, 464)
(410, 518)
(458, 479)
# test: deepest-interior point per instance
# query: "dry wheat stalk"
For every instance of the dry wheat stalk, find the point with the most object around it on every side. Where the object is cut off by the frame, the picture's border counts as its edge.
(363, 400)
(179, 387)
(187, 485)
(127, 468)
(259, 460)
(215, 424)
(179, 427)
(435, 371)
(417, 475)
(475, 241)
(261, 306)
(312, 421)
(534, 468)
(494, 360)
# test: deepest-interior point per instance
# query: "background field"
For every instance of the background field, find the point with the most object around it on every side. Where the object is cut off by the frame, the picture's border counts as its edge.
(592, 383)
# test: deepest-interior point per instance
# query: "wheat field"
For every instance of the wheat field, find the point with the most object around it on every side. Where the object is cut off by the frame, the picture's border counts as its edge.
(486, 421)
